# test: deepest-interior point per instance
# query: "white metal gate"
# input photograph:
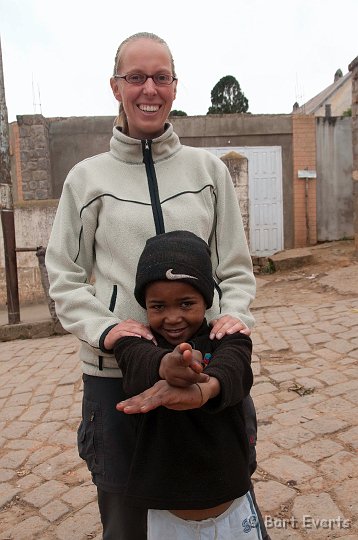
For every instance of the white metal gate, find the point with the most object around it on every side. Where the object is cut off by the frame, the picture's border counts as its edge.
(265, 196)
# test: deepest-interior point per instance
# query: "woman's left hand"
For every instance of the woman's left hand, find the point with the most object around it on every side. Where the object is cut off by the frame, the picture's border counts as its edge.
(227, 324)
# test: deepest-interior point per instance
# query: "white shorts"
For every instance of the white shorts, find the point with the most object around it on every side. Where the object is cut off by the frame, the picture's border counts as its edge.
(239, 521)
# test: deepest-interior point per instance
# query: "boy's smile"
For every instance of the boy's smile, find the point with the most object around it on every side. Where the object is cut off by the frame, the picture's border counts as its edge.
(175, 310)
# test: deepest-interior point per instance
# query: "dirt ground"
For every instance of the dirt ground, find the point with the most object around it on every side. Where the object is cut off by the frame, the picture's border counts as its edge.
(306, 283)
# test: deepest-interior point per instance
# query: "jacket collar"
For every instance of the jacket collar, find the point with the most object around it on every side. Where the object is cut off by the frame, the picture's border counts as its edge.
(129, 150)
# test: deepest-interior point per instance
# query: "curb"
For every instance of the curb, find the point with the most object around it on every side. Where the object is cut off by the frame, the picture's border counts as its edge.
(290, 259)
(38, 329)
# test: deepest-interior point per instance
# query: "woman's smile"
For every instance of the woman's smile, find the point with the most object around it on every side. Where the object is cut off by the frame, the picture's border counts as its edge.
(149, 108)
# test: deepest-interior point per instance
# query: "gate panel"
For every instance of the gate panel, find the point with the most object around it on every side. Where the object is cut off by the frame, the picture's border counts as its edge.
(265, 196)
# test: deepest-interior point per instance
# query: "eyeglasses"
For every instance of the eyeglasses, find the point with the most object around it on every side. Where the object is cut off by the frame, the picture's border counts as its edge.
(159, 79)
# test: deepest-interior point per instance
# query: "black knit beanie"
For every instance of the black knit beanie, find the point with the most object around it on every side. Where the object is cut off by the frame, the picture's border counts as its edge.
(175, 256)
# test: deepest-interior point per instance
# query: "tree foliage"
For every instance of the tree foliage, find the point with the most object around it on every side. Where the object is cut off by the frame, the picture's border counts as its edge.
(175, 112)
(226, 97)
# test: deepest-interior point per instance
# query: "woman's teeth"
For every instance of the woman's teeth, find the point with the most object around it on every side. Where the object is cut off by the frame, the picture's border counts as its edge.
(149, 108)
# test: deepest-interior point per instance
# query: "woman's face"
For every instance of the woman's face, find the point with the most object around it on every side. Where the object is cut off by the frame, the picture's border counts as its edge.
(147, 106)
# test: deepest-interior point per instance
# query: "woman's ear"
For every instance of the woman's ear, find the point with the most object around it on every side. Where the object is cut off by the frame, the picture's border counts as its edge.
(115, 88)
(175, 89)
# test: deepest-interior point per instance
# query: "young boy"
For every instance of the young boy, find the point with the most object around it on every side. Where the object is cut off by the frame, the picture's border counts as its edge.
(190, 463)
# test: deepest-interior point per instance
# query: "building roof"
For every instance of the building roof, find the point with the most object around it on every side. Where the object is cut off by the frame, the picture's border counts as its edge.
(337, 95)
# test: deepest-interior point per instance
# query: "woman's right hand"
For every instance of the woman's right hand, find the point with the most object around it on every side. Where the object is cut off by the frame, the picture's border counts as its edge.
(129, 327)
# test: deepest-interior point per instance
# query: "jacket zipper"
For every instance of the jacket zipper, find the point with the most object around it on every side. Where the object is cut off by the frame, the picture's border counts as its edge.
(153, 186)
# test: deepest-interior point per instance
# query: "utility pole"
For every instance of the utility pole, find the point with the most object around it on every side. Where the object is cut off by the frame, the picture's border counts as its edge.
(7, 210)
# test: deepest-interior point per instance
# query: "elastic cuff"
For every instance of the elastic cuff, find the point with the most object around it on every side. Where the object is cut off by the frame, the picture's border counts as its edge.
(103, 337)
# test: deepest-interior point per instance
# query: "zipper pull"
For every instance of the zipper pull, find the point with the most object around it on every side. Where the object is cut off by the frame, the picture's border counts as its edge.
(145, 149)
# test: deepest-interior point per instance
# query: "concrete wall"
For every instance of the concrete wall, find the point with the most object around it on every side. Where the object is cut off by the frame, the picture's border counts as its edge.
(334, 179)
(74, 139)
(353, 68)
(33, 222)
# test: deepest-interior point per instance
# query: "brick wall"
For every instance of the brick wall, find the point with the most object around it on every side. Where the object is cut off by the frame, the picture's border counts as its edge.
(304, 192)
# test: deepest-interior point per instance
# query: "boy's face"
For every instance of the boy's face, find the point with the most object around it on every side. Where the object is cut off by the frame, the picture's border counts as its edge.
(175, 310)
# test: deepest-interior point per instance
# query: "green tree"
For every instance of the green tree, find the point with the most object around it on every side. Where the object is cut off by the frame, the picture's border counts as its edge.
(175, 112)
(226, 97)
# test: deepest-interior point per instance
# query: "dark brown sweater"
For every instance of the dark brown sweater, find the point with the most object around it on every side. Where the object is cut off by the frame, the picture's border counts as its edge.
(189, 459)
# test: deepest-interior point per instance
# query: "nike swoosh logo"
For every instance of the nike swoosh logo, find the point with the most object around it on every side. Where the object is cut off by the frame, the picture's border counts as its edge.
(170, 275)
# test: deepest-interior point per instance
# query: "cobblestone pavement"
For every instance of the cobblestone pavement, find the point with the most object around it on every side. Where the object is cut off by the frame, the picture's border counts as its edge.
(306, 394)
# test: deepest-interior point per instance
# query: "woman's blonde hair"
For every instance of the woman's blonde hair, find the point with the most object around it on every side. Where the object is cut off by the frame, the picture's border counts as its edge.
(121, 119)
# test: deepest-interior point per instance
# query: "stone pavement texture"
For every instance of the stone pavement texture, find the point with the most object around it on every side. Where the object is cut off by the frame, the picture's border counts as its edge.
(306, 395)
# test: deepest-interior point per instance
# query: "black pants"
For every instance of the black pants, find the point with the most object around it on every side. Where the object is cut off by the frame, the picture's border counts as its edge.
(120, 521)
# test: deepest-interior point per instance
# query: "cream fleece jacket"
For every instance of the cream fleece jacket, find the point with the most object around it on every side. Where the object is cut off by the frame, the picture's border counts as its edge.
(104, 218)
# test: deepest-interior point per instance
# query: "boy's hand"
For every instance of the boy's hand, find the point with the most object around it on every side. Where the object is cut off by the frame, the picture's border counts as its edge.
(171, 397)
(163, 394)
(182, 367)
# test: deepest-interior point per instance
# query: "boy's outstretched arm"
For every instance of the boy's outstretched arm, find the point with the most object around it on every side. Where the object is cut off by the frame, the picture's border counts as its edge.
(141, 362)
(171, 397)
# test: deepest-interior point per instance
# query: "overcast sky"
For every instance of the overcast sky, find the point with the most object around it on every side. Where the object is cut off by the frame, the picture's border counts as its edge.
(60, 54)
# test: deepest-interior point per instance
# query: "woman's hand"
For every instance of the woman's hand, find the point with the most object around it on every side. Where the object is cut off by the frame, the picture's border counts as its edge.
(171, 397)
(182, 367)
(227, 324)
(129, 327)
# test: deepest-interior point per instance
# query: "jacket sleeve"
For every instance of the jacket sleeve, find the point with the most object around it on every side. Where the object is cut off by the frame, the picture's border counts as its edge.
(69, 262)
(231, 365)
(139, 361)
(232, 264)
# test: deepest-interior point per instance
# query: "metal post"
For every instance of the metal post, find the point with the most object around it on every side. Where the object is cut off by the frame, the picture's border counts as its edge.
(7, 210)
(40, 254)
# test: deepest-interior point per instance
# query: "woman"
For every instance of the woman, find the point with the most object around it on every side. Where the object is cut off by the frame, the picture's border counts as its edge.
(148, 183)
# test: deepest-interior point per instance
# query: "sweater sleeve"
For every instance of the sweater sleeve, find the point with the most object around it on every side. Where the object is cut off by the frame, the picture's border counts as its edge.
(232, 264)
(231, 365)
(69, 262)
(139, 361)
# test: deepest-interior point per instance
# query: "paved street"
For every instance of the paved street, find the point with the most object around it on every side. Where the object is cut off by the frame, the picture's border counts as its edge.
(306, 394)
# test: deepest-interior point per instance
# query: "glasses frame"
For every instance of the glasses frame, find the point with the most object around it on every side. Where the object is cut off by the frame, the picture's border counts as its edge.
(146, 78)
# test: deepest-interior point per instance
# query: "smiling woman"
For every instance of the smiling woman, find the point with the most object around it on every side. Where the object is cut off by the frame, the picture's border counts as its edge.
(144, 83)
(111, 204)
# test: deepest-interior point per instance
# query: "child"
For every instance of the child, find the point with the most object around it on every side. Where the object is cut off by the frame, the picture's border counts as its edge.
(190, 463)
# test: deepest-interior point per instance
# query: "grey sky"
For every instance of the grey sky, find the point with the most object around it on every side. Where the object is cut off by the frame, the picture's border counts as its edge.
(280, 51)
